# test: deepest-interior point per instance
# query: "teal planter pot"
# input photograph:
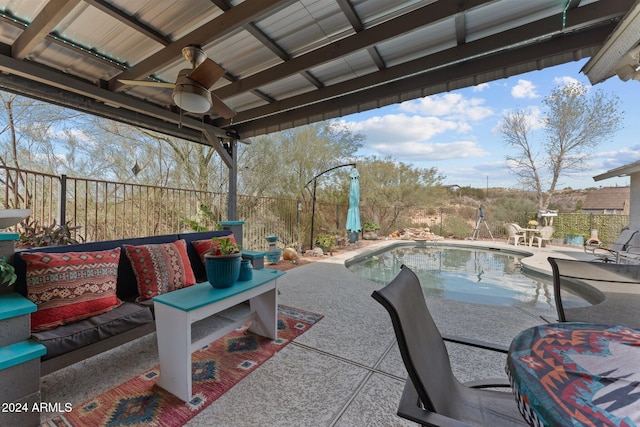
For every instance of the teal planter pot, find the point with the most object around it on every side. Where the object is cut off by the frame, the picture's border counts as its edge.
(223, 270)
(577, 240)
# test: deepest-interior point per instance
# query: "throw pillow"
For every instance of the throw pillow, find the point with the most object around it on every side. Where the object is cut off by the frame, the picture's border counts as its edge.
(203, 246)
(160, 268)
(70, 286)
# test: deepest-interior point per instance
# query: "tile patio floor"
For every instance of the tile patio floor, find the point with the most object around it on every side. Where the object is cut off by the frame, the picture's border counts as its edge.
(345, 371)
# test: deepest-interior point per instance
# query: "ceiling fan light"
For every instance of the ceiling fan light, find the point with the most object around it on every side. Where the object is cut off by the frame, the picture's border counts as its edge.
(192, 98)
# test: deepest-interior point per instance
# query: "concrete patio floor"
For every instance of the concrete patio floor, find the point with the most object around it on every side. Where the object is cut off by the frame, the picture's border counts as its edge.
(346, 370)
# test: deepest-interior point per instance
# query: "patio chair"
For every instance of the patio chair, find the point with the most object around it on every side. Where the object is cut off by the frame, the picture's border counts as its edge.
(544, 235)
(612, 253)
(611, 292)
(432, 395)
(516, 234)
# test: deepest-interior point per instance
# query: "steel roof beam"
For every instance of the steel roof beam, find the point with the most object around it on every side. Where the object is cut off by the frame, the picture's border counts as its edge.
(457, 75)
(525, 35)
(421, 17)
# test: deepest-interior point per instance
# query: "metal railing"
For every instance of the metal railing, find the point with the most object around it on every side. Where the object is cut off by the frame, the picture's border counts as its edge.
(106, 210)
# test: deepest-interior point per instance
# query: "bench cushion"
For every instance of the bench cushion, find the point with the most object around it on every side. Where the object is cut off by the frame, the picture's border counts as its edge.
(71, 286)
(160, 268)
(70, 337)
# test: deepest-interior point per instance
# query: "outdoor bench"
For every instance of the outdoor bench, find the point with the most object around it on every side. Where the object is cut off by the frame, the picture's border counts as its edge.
(74, 341)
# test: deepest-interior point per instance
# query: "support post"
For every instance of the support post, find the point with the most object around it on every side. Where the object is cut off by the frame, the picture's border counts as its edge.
(62, 209)
(232, 197)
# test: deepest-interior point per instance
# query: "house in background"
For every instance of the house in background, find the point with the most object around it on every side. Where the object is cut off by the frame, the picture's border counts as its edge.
(608, 200)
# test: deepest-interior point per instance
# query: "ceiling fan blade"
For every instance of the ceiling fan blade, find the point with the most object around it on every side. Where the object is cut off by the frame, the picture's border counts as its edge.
(207, 73)
(221, 108)
(147, 83)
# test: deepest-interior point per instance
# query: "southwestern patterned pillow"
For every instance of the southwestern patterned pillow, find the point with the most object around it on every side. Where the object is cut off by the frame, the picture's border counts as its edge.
(160, 268)
(71, 286)
(203, 246)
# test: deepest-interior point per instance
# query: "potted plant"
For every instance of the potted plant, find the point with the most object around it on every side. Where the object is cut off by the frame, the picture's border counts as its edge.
(35, 235)
(370, 230)
(222, 262)
(7, 272)
(575, 238)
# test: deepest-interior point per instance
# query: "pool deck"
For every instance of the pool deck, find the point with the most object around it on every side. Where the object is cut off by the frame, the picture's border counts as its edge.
(346, 370)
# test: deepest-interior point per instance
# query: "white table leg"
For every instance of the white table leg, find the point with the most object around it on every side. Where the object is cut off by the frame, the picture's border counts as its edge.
(265, 307)
(174, 350)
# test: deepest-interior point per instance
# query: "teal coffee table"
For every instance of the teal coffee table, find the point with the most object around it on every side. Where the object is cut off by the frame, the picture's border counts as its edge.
(176, 313)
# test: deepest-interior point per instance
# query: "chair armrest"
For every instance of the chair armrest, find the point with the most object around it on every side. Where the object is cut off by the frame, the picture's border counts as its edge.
(591, 248)
(476, 343)
(488, 383)
(411, 409)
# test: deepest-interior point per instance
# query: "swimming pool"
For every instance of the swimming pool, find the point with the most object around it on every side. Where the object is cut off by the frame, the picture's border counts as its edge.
(480, 276)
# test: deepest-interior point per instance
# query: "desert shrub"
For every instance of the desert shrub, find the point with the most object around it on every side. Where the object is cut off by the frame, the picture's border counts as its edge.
(456, 227)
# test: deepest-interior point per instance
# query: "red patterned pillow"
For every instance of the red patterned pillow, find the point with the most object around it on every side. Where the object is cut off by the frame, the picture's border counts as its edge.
(71, 286)
(160, 268)
(203, 246)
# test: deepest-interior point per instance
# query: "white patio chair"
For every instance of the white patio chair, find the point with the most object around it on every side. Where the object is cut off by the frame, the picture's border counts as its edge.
(516, 234)
(544, 235)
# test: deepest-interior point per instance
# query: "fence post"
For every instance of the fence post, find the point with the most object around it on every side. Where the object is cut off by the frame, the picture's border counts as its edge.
(63, 200)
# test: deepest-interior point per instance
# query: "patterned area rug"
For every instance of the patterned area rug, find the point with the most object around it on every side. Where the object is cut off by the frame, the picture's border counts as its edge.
(215, 368)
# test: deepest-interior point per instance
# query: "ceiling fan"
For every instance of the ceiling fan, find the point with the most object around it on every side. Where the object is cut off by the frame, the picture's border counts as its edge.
(191, 89)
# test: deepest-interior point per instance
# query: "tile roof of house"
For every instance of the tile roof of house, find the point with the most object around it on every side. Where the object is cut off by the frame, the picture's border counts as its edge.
(609, 198)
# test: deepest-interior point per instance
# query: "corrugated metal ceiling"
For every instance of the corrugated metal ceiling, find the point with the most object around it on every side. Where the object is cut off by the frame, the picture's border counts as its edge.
(287, 62)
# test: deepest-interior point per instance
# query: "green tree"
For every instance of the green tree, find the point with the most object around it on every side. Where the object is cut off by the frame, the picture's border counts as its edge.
(280, 164)
(576, 121)
(387, 186)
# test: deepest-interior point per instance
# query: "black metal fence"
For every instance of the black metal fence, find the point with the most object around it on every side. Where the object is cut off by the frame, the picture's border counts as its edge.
(105, 210)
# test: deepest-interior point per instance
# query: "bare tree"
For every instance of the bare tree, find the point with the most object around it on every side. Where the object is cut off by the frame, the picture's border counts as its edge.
(575, 123)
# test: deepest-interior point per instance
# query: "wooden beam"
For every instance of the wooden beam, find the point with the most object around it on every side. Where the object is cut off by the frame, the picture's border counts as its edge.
(128, 20)
(232, 20)
(393, 28)
(48, 18)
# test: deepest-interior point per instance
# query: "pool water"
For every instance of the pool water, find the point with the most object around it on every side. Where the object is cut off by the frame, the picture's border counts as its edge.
(464, 274)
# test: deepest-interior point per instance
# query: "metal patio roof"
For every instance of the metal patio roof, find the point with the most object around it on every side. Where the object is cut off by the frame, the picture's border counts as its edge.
(287, 62)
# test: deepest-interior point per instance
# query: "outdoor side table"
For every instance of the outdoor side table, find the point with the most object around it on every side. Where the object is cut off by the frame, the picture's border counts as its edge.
(576, 374)
(177, 311)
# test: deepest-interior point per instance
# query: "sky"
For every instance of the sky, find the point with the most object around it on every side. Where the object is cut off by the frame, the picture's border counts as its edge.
(456, 132)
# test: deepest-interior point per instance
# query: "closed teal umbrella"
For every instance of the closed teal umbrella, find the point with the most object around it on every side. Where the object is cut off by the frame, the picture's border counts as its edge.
(353, 215)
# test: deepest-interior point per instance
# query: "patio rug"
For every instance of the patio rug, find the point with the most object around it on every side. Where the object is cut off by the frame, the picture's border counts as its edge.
(216, 368)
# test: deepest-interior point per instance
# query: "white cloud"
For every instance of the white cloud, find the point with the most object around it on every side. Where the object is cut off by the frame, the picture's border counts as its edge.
(524, 89)
(414, 151)
(565, 80)
(607, 160)
(401, 128)
(481, 87)
(453, 106)
(408, 136)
